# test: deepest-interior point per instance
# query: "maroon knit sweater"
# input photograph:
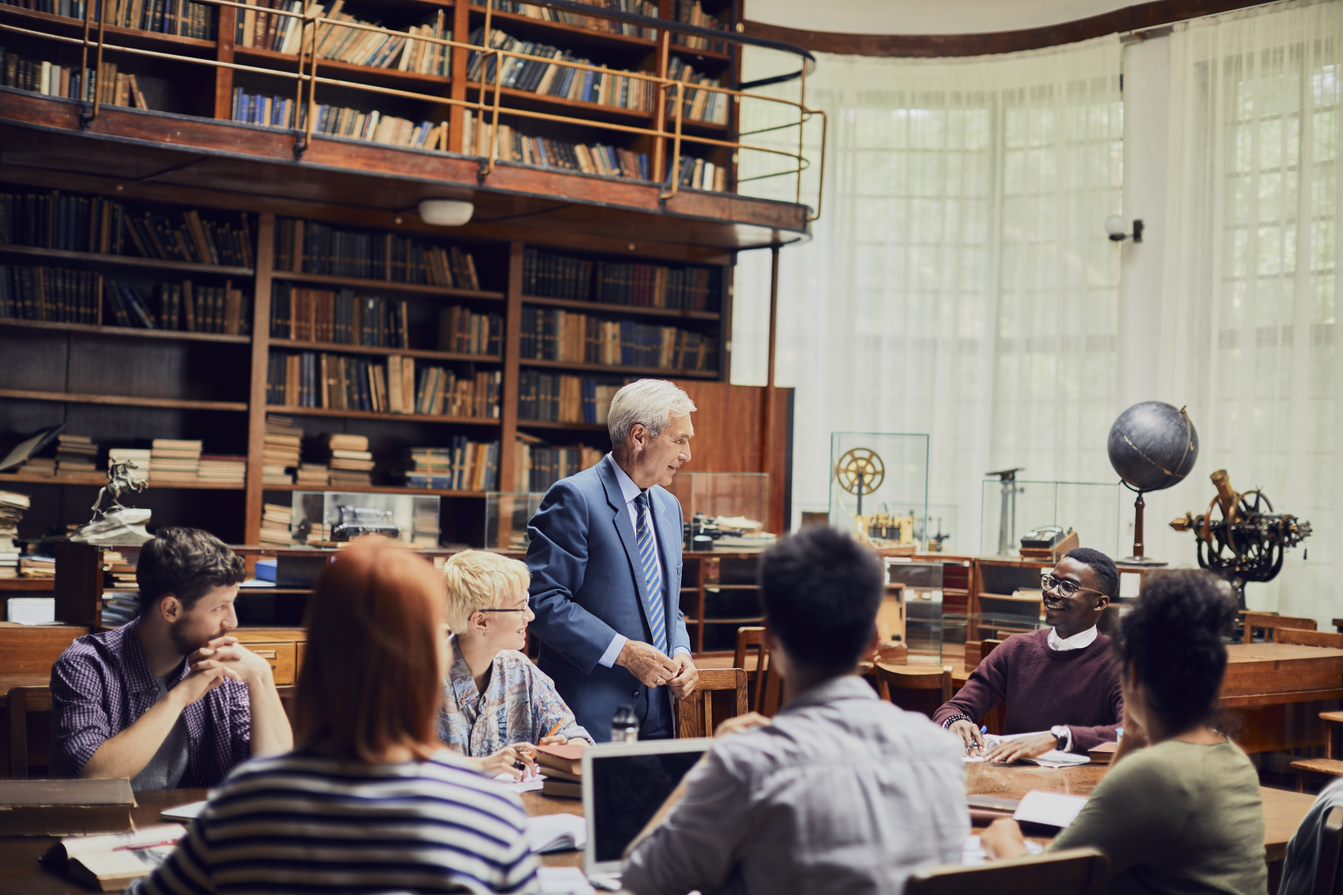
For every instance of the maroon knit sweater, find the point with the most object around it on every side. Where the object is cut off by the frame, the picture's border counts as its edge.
(1042, 687)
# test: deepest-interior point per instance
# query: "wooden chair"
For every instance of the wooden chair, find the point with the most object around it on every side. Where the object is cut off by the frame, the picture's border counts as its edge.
(1303, 637)
(914, 687)
(29, 711)
(1331, 843)
(766, 686)
(1270, 624)
(695, 714)
(1077, 871)
(1330, 765)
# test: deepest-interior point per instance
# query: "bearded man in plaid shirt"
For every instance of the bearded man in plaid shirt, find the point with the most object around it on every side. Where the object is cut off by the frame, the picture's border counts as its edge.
(170, 699)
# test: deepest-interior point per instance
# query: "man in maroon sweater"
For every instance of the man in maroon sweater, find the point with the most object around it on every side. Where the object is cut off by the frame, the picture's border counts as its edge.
(1062, 684)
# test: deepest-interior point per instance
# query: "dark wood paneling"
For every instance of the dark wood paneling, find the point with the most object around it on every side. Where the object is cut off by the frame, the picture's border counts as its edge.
(1143, 15)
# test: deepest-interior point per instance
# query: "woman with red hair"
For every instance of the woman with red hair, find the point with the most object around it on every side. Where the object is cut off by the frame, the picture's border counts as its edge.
(370, 800)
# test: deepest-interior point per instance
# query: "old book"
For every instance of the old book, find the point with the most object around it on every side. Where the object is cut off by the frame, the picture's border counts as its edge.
(47, 807)
(566, 758)
(111, 862)
(561, 789)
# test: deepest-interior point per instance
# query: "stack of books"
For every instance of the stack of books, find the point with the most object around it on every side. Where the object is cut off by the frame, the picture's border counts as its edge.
(424, 524)
(76, 453)
(119, 608)
(314, 475)
(140, 458)
(37, 566)
(276, 519)
(563, 767)
(120, 571)
(430, 467)
(12, 508)
(319, 535)
(282, 449)
(217, 469)
(175, 460)
(351, 461)
(39, 466)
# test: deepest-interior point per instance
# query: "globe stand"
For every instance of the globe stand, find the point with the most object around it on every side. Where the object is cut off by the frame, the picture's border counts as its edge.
(1137, 559)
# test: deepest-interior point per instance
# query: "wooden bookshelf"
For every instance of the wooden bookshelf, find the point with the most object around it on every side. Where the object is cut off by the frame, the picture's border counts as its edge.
(380, 489)
(190, 385)
(98, 479)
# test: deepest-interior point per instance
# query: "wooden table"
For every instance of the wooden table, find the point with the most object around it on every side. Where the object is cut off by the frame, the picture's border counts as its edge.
(1283, 812)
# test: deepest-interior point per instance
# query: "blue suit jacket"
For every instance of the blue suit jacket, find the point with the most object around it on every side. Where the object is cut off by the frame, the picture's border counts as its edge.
(587, 586)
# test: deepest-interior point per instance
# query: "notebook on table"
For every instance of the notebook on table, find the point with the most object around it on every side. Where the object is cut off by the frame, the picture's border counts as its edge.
(624, 784)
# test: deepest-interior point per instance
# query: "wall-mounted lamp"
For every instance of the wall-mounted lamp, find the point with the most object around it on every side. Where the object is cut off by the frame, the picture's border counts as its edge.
(446, 212)
(1114, 227)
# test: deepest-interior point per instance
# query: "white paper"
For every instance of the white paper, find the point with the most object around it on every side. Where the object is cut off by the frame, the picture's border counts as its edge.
(527, 784)
(564, 881)
(1050, 808)
(557, 832)
(1054, 758)
(973, 853)
(189, 811)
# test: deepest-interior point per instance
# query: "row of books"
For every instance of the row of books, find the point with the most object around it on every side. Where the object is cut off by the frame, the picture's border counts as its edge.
(465, 465)
(67, 295)
(586, 22)
(312, 247)
(70, 82)
(540, 465)
(542, 152)
(699, 105)
(311, 379)
(561, 398)
(180, 17)
(701, 174)
(691, 12)
(80, 223)
(346, 318)
(339, 121)
(637, 284)
(355, 45)
(536, 75)
(578, 338)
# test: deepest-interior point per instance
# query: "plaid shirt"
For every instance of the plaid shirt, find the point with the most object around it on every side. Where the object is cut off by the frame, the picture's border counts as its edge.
(102, 684)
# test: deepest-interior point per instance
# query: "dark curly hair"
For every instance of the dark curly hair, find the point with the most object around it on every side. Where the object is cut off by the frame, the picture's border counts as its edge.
(821, 590)
(186, 563)
(1173, 638)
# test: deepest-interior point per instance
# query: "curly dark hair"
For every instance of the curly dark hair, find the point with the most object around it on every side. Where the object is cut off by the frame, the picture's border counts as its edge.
(1173, 638)
(185, 563)
(821, 590)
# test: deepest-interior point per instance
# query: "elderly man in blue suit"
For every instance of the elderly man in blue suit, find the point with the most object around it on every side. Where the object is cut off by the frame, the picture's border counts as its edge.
(605, 559)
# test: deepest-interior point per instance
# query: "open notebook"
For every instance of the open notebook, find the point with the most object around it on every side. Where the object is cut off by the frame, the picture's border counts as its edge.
(1051, 759)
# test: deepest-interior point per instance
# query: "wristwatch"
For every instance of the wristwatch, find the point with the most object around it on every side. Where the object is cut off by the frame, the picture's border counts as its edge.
(1063, 735)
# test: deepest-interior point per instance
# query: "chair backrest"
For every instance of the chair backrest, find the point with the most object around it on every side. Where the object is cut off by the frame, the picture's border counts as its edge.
(1270, 624)
(29, 713)
(1077, 871)
(1310, 638)
(766, 686)
(696, 715)
(1331, 843)
(895, 683)
(33, 649)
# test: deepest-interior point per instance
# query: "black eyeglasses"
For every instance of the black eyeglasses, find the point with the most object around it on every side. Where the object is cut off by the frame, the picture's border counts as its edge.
(1065, 587)
(514, 609)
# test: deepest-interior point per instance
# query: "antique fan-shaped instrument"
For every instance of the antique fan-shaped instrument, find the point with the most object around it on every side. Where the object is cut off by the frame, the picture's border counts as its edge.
(860, 471)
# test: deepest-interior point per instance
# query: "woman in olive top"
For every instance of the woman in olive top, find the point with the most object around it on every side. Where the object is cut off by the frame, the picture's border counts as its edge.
(1180, 810)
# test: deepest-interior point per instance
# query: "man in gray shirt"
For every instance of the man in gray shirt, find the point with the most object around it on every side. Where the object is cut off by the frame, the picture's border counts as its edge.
(842, 792)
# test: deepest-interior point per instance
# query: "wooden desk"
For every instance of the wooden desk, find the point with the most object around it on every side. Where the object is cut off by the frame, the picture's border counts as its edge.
(1283, 812)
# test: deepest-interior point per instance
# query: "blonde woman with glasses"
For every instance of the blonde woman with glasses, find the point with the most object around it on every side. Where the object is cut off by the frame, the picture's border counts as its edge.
(497, 703)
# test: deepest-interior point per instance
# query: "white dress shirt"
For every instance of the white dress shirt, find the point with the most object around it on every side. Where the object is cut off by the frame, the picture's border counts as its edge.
(1080, 640)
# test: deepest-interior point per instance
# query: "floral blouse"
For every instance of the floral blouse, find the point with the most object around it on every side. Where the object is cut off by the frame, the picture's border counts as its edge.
(519, 705)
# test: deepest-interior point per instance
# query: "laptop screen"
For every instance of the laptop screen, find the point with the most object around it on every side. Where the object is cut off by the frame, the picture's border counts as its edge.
(628, 788)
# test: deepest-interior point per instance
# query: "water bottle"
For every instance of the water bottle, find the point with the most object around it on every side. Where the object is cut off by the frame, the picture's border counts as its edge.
(625, 725)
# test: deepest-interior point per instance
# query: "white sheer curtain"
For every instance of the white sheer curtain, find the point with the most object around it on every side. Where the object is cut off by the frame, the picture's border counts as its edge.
(959, 282)
(1249, 335)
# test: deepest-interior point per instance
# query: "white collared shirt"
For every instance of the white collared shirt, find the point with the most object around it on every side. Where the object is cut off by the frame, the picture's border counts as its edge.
(1080, 640)
(628, 491)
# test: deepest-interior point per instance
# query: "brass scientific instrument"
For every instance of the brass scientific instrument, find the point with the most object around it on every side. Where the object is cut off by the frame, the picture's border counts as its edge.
(1240, 537)
(860, 472)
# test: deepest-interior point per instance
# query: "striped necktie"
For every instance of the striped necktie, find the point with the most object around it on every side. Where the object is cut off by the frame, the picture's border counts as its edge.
(648, 561)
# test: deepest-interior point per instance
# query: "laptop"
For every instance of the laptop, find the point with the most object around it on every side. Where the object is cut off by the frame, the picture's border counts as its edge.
(624, 784)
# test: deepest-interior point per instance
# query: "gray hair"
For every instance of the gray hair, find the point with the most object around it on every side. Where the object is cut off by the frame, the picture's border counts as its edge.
(651, 402)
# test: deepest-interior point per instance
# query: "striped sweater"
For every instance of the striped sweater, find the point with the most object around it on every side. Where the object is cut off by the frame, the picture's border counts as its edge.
(307, 823)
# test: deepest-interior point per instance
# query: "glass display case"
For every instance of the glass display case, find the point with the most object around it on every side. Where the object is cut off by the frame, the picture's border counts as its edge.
(724, 510)
(324, 517)
(940, 533)
(506, 516)
(879, 487)
(1009, 510)
(921, 595)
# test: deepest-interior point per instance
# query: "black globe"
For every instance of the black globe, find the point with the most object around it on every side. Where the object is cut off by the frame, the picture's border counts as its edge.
(1153, 446)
